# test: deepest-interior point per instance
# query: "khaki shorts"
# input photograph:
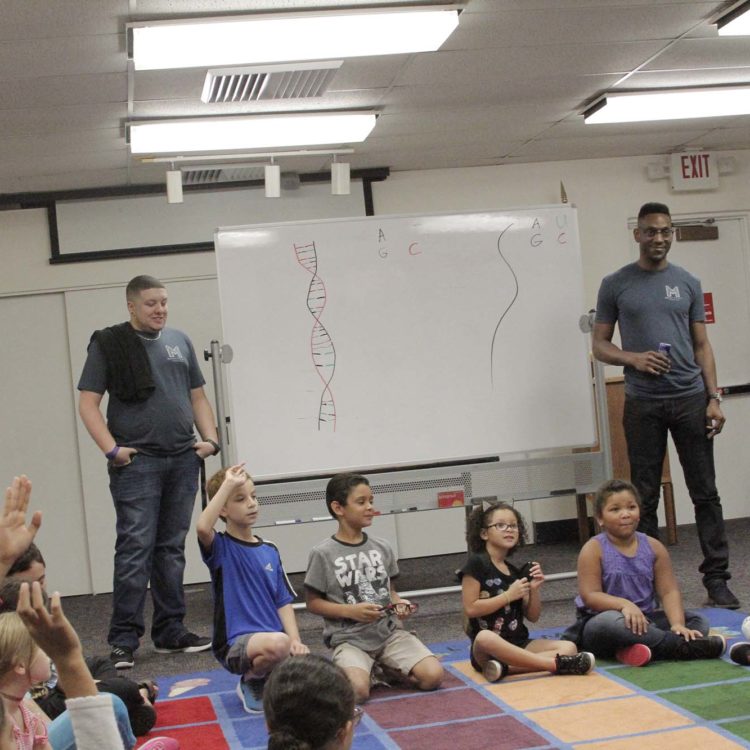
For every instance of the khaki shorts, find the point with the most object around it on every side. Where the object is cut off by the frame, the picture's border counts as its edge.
(401, 652)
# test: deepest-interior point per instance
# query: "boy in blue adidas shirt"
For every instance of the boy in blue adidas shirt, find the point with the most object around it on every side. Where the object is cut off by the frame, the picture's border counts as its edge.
(254, 624)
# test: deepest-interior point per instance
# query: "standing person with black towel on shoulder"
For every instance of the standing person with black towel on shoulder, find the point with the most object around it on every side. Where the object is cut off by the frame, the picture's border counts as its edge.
(155, 397)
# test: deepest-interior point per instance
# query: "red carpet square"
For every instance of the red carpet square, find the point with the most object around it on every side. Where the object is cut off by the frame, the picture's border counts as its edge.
(486, 734)
(186, 711)
(428, 708)
(202, 737)
(384, 691)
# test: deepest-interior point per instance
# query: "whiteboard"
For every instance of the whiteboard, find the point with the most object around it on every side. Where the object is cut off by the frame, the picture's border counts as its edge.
(404, 340)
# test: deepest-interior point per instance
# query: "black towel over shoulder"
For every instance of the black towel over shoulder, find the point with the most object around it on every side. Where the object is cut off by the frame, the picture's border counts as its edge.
(128, 368)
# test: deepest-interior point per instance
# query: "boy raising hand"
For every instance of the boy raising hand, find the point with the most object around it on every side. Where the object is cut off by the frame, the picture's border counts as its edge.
(254, 623)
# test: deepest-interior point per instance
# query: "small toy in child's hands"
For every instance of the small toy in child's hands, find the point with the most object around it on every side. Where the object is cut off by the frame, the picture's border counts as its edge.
(525, 571)
(400, 609)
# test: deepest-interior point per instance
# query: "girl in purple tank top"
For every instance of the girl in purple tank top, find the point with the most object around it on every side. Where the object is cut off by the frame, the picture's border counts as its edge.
(622, 575)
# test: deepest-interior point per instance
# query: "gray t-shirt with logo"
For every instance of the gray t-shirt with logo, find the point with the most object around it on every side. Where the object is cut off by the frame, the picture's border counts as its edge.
(163, 424)
(653, 307)
(350, 574)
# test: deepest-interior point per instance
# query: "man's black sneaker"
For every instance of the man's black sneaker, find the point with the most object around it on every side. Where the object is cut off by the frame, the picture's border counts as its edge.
(719, 595)
(187, 643)
(740, 653)
(121, 657)
(710, 647)
(581, 663)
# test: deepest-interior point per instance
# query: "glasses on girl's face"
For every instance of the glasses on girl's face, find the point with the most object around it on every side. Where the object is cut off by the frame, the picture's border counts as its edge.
(503, 526)
(357, 717)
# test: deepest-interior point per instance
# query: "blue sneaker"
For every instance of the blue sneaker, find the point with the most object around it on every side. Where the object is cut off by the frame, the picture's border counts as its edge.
(251, 694)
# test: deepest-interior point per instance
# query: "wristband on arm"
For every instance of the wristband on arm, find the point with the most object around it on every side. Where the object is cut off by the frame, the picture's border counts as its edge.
(111, 454)
(216, 446)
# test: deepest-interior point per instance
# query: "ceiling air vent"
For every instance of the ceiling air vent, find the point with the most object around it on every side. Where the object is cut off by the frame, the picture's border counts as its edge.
(269, 82)
(227, 173)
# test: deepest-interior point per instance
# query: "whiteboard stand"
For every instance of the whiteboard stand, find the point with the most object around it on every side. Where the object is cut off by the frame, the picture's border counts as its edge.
(221, 355)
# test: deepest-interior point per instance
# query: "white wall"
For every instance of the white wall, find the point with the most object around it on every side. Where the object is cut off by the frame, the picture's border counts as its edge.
(46, 321)
(607, 193)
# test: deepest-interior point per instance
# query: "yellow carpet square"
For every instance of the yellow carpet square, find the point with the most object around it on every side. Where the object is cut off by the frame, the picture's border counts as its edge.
(548, 691)
(525, 692)
(695, 738)
(611, 718)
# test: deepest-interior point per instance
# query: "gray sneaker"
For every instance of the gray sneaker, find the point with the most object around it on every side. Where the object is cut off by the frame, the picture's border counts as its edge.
(251, 694)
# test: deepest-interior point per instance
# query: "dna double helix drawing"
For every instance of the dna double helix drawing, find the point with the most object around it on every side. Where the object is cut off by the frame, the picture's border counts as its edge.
(322, 350)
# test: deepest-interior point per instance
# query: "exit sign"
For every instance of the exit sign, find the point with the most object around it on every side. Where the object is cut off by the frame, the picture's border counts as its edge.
(694, 170)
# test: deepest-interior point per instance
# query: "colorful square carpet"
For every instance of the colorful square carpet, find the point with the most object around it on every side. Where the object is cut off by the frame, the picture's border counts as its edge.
(664, 706)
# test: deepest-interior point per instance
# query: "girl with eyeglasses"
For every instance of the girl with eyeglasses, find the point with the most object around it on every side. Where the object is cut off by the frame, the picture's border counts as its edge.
(497, 596)
(309, 705)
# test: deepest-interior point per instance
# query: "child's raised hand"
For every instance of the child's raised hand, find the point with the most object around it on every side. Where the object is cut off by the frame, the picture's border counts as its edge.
(15, 534)
(51, 630)
(635, 620)
(236, 475)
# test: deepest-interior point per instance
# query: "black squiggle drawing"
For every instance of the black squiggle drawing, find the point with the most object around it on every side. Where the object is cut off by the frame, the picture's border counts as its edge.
(322, 350)
(505, 312)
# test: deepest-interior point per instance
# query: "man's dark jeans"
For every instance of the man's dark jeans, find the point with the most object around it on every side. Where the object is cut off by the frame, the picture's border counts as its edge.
(646, 423)
(154, 498)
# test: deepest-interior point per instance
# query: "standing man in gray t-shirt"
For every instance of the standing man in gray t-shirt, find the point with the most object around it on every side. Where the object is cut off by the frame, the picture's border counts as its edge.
(155, 396)
(670, 385)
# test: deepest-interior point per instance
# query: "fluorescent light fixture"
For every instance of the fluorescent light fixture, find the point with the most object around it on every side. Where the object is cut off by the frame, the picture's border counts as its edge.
(340, 178)
(281, 37)
(174, 186)
(735, 23)
(249, 132)
(273, 180)
(672, 104)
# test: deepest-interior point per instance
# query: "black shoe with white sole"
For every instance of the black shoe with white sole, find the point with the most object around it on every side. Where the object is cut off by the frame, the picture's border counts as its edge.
(187, 643)
(121, 657)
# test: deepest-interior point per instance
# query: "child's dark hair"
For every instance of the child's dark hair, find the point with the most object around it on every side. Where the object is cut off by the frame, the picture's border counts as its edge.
(481, 516)
(612, 487)
(339, 487)
(9, 588)
(307, 700)
(213, 484)
(26, 560)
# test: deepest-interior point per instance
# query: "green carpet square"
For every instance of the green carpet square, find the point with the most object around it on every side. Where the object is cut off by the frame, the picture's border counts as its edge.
(715, 702)
(670, 674)
(740, 728)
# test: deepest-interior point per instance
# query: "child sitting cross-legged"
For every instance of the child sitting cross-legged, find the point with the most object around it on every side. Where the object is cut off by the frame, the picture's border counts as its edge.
(349, 583)
(497, 596)
(621, 573)
(254, 623)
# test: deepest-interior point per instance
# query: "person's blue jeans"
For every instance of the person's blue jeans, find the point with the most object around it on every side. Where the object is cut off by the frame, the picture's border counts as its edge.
(61, 735)
(153, 498)
(646, 423)
(606, 632)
